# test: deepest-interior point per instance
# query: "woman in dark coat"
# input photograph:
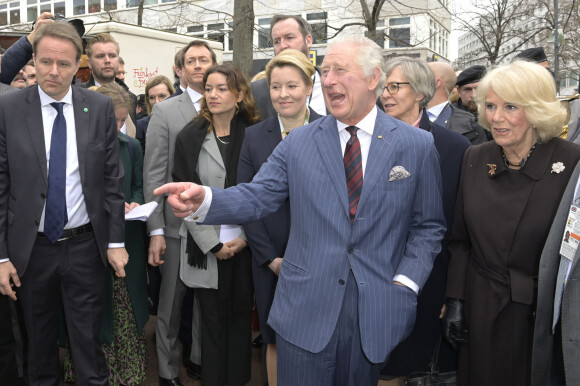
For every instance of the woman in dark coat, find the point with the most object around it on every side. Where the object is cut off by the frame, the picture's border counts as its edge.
(409, 87)
(126, 312)
(289, 75)
(509, 192)
(207, 151)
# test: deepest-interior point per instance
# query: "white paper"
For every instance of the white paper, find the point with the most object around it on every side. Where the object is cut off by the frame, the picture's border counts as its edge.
(142, 212)
(229, 233)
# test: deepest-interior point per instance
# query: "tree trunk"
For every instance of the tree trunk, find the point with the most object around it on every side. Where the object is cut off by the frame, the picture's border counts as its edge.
(244, 35)
(140, 12)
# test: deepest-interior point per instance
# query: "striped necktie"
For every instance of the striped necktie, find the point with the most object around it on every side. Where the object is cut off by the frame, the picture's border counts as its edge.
(353, 170)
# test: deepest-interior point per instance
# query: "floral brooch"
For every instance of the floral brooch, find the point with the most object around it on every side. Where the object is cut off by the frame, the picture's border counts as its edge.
(557, 167)
(492, 168)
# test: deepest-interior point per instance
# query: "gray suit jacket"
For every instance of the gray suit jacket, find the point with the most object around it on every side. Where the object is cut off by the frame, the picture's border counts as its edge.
(24, 174)
(5, 89)
(570, 315)
(167, 120)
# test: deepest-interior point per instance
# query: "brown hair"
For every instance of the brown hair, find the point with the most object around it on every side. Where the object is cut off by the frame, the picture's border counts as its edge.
(59, 30)
(156, 81)
(237, 83)
(197, 43)
(101, 38)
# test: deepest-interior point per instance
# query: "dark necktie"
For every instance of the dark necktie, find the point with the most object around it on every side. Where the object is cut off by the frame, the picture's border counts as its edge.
(353, 170)
(55, 215)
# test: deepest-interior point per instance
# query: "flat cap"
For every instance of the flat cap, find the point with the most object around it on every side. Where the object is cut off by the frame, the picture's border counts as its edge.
(470, 75)
(535, 54)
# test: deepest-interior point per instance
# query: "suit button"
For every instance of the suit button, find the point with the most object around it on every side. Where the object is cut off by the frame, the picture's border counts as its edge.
(350, 250)
(42, 195)
(36, 222)
(341, 282)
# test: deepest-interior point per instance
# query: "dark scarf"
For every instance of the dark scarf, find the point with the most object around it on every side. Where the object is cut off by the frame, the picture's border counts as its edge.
(234, 275)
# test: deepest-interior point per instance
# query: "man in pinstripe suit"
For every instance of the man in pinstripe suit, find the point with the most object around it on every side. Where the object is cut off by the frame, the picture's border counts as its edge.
(347, 290)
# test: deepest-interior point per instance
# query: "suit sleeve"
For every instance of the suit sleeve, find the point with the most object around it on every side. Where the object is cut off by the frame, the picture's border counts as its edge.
(252, 201)
(427, 225)
(155, 164)
(113, 181)
(4, 188)
(262, 249)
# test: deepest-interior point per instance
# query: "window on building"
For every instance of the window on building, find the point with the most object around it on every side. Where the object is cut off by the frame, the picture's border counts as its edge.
(318, 24)
(195, 28)
(31, 14)
(215, 32)
(14, 16)
(264, 40)
(230, 46)
(399, 37)
(45, 8)
(94, 6)
(3, 18)
(79, 7)
(59, 8)
(399, 21)
(109, 5)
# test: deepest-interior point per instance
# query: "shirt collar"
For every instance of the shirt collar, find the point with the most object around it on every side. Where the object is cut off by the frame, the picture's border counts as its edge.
(367, 124)
(194, 95)
(437, 109)
(46, 100)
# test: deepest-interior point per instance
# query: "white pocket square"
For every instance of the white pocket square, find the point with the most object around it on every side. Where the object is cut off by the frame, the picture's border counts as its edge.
(398, 173)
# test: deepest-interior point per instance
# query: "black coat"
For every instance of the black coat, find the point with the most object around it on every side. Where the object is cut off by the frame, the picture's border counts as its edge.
(415, 352)
(267, 237)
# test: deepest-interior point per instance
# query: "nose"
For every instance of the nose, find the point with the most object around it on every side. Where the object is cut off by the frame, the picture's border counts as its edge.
(328, 79)
(497, 115)
(54, 69)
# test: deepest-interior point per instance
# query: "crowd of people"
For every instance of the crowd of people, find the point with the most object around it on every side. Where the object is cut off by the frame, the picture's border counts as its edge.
(387, 220)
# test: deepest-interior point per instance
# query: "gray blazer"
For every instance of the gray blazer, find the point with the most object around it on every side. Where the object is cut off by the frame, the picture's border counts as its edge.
(212, 172)
(167, 120)
(5, 89)
(570, 315)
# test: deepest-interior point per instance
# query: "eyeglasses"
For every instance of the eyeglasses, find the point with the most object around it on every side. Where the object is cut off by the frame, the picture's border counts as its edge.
(394, 87)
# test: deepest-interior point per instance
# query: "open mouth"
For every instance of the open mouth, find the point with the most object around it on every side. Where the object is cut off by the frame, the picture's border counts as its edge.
(335, 98)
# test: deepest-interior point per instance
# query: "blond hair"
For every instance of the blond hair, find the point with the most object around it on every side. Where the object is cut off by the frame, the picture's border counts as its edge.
(530, 86)
(295, 58)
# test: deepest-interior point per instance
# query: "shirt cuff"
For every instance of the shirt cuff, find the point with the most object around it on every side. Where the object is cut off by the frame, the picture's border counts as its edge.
(116, 245)
(156, 232)
(407, 282)
(201, 212)
(4, 260)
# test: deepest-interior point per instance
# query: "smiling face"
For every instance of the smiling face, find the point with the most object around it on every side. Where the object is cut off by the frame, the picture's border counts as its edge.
(348, 94)
(196, 62)
(56, 64)
(104, 62)
(219, 98)
(508, 123)
(404, 104)
(288, 91)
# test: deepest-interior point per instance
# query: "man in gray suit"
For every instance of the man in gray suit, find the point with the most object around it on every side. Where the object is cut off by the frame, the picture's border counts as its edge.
(168, 118)
(288, 31)
(61, 208)
(556, 348)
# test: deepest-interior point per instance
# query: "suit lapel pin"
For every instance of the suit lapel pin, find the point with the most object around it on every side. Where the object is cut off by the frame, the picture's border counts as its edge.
(380, 137)
(86, 110)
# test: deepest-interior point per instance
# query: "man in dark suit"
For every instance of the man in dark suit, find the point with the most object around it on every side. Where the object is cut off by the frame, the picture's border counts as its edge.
(367, 222)
(443, 113)
(288, 31)
(61, 207)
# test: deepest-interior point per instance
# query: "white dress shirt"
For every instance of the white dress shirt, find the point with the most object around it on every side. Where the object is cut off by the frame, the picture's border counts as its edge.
(316, 101)
(436, 110)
